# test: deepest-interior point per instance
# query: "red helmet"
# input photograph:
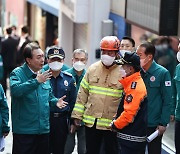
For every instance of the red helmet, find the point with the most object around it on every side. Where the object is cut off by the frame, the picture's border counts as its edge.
(110, 43)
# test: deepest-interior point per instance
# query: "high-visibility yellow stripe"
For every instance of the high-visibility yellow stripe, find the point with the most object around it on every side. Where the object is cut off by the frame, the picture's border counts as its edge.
(76, 109)
(88, 119)
(79, 105)
(106, 89)
(101, 90)
(79, 108)
(100, 121)
(84, 84)
(103, 122)
(108, 93)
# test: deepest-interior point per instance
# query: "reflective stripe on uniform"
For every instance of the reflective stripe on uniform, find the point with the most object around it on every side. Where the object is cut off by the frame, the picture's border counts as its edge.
(103, 122)
(100, 121)
(79, 108)
(84, 84)
(105, 91)
(131, 138)
(88, 119)
(101, 90)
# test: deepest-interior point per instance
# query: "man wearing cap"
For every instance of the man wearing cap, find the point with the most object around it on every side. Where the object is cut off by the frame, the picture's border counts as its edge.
(131, 119)
(64, 86)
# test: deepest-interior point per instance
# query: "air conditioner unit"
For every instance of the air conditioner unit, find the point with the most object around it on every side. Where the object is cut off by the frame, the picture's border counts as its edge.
(107, 28)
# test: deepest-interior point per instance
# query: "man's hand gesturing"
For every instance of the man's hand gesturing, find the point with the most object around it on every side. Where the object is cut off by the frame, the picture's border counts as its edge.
(61, 103)
(43, 77)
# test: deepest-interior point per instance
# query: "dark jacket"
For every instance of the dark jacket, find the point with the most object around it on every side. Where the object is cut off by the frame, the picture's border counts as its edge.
(132, 113)
(20, 58)
(9, 52)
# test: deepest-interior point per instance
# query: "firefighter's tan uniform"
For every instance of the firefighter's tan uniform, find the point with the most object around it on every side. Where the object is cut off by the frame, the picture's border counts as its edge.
(99, 96)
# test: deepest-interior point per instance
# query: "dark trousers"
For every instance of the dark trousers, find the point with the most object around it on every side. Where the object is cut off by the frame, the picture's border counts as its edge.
(154, 147)
(58, 132)
(94, 138)
(127, 150)
(30, 144)
(81, 142)
(177, 136)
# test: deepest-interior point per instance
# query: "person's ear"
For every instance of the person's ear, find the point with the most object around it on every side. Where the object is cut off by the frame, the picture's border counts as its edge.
(132, 70)
(28, 60)
(150, 57)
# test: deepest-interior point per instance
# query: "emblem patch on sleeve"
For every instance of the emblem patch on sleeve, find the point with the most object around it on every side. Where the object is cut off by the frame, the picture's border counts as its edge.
(133, 85)
(129, 98)
(167, 83)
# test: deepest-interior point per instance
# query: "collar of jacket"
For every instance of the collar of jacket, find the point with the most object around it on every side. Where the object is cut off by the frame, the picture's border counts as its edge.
(152, 68)
(110, 68)
(28, 72)
(128, 80)
(73, 72)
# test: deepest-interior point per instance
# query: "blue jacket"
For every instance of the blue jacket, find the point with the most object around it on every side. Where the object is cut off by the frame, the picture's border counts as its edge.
(30, 102)
(4, 113)
(64, 84)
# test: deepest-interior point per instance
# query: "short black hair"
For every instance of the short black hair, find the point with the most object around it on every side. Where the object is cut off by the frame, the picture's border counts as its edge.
(164, 39)
(8, 30)
(27, 52)
(25, 29)
(150, 48)
(130, 39)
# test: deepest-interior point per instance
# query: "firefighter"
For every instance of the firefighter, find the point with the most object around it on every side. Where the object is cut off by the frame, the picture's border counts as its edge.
(131, 122)
(98, 99)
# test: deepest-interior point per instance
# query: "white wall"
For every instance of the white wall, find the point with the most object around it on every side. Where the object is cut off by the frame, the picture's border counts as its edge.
(66, 36)
(118, 7)
(98, 11)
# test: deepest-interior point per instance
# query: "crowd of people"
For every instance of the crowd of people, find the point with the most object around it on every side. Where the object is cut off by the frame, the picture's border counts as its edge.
(112, 107)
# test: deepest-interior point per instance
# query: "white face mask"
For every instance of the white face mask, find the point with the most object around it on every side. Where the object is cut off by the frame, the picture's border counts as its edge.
(79, 66)
(122, 72)
(107, 60)
(55, 66)
(143, 62)
(122, 52)
(178, 56)
(164, 46)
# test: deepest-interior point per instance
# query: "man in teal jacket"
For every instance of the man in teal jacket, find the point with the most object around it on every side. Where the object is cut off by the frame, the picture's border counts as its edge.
(31, 95)
(4, 114)
(159, 93)
(175, 112)
(79, 60)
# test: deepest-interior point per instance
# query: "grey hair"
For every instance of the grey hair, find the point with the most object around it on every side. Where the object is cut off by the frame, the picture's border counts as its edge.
(80, 51)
